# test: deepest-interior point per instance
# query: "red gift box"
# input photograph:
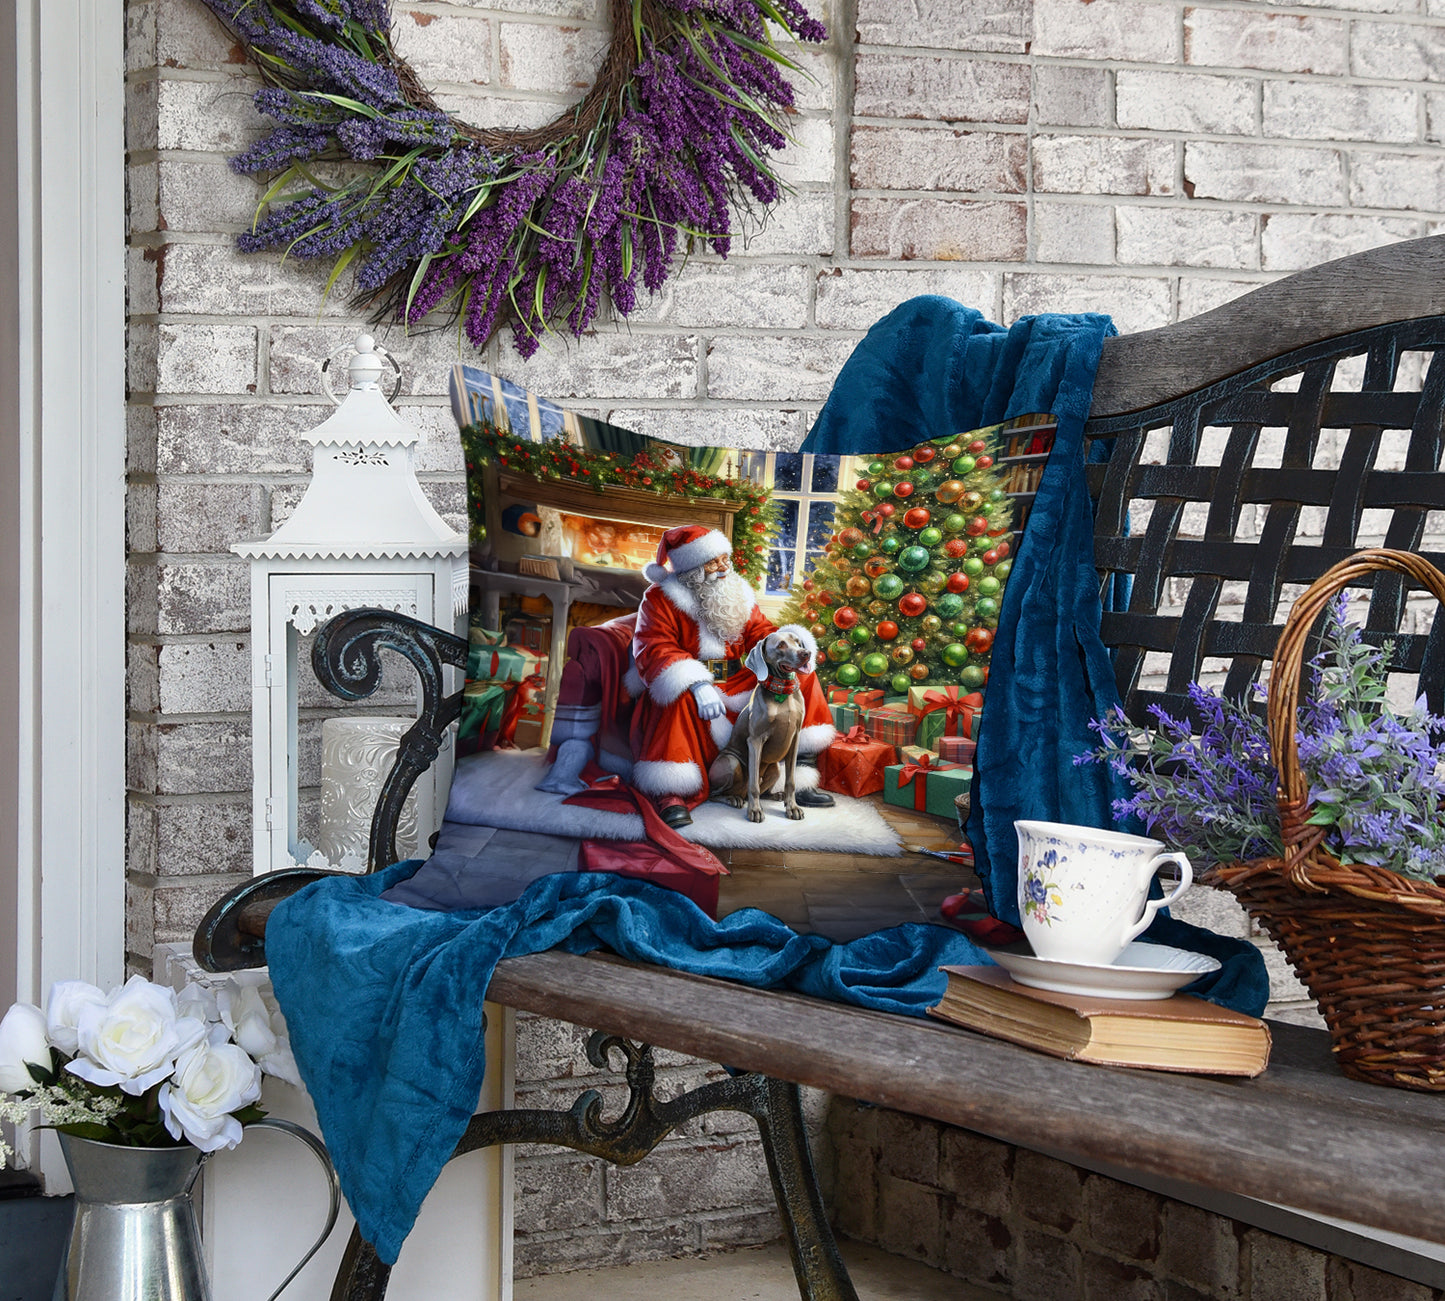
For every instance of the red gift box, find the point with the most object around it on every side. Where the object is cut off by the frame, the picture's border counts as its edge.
(891, 725)
(862, 697)
(854, 764)
(956, 749)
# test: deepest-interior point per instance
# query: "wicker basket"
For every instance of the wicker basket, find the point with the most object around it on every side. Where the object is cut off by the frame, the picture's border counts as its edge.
(1367, 943)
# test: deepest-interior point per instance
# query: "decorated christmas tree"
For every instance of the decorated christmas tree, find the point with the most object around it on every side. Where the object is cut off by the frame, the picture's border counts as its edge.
(909, 586)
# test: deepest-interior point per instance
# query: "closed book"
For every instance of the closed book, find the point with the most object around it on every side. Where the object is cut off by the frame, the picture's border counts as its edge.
(1181, 1033)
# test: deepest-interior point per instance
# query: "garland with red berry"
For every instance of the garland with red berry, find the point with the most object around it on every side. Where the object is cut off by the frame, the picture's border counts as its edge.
(754, 526)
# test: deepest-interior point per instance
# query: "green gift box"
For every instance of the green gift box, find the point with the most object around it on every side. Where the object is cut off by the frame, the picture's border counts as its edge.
(926, 787)
(483, 705)
(845, 717)
(945, 711)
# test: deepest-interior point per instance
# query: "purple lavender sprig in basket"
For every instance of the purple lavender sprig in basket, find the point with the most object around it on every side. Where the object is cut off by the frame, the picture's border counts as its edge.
(1374, 775)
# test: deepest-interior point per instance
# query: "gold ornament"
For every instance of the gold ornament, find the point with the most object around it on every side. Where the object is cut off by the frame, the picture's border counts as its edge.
(950, 491)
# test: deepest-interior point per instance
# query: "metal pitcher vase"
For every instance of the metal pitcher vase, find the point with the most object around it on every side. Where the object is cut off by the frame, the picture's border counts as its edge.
(135, 1235)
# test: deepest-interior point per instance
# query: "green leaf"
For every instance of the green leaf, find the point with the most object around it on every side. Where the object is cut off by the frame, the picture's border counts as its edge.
(250, 1114)
(637, 26)
(342, 101)
(484, 192)
(342, 263)
(417, 276)
(1324, 816)
(85, 1129)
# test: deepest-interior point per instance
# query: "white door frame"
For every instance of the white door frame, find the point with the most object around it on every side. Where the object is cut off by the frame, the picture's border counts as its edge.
(62, 503)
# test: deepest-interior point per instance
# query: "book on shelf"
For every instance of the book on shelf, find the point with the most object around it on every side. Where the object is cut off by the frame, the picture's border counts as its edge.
(1180, 1033)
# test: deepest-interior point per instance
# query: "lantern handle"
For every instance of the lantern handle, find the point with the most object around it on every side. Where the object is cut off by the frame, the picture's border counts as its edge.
(365, 345)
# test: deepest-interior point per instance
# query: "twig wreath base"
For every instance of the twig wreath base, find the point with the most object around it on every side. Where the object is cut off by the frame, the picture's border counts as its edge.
(524, 228)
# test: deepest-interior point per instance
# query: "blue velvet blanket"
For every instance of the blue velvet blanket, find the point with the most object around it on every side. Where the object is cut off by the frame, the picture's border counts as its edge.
(384, 1002)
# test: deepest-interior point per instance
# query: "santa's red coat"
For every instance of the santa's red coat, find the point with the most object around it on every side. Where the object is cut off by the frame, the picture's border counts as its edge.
(671, 745)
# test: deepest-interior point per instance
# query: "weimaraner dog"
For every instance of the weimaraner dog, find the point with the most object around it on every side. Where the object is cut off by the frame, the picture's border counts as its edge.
(767, 730)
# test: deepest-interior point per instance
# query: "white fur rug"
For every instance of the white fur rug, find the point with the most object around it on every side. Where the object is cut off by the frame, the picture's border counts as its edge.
(495, 789)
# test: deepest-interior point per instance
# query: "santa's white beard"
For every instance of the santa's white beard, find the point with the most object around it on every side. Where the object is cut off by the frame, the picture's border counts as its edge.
(724, 600)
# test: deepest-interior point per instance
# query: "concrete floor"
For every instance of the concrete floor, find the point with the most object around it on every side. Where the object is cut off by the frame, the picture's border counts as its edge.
(749, 1274)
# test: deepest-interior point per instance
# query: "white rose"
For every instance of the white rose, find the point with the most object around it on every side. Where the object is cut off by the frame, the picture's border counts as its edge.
(211, 1081)
(68, 998)
(199, 1002)
(22, 1039)
(250, 1011)
(133, 1040)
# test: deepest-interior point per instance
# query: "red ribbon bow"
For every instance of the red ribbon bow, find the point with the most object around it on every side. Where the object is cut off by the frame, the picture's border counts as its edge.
(953, 705)
(858, 735)
(911, 769)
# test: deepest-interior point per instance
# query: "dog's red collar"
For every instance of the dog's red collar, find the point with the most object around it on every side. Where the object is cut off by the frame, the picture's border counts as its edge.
(780, 688)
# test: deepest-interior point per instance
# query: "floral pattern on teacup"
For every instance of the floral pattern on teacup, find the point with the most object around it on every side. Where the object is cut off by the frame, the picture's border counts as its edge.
(1040, 895)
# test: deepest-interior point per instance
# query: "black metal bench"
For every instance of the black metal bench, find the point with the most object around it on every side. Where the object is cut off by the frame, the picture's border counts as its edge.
(1301, 1134)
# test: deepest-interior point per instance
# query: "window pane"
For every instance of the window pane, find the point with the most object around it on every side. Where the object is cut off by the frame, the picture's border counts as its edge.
(787, 524)
(780, 572)
(826, 470)
(788, 472)
(754, 466)
(820, 524)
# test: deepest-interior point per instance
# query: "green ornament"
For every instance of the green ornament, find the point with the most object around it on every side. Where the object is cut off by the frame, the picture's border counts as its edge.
(988, 585)
(971, 676)
(965, 465)
(973, 566)
(914, 560)
(986, 607)
(862, 551)
(875, 665)
(899, 683)
(959, 629)
(861, 635)
(930, 623)
(949, 605)
(891, 544)
(888, 586)
(882, 489)
(933, 582)
(955, 654)
(840, 651)
(997, 494)
(1003, 568)
(955, 523)
(930, 537)
(875, 468)
(848, 675)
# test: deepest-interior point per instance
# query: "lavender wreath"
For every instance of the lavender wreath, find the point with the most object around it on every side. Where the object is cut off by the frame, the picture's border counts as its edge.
(523, 227)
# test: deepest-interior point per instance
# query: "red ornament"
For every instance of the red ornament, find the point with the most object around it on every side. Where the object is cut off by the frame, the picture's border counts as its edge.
(977, 527)
(807, 584)
(955, 548)
(760, 528)
(978, 445)
(875, 566)
(983, 462)
(919, 645)
(979, 640)
(991, 557)
(916, 518)
(845, 617)
(957, 583)
(887, 509)
(912, 604)
(850, 537)
(864, 484)
(903, 463)
(827, 598)
(887, 630)
(1003, 548)
(903, 488)
(924, 454)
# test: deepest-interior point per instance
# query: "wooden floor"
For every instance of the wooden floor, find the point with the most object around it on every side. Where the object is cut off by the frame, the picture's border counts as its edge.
(844, 896)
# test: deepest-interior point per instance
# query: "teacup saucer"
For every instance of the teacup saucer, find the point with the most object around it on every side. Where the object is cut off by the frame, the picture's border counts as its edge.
(1142, 971)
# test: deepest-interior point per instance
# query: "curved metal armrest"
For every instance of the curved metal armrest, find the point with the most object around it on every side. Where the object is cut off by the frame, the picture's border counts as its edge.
(346, 656)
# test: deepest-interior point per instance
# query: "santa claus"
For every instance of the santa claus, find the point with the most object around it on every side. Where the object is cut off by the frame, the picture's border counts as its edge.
(697, 609)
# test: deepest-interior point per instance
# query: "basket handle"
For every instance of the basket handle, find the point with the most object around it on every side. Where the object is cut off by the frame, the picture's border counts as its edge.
(1300, 839)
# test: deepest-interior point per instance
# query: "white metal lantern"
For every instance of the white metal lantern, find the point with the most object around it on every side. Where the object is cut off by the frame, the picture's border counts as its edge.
(364, 534)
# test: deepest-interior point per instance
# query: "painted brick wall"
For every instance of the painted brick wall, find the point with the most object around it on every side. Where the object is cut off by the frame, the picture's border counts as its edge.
(1148, 158)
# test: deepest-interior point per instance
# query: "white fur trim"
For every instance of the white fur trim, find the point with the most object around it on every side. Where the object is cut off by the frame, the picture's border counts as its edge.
(710, 546)
(804, 778)
(808, 640)
(817, 737)
(676, 678)
(659, 777)
(708, 645)
(721, 728)
(633, 682)
(735, 703)
(677, 592)
(655, 573)
(618, 763)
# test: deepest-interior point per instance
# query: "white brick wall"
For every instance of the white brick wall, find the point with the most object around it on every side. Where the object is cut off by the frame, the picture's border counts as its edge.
(1149, 158)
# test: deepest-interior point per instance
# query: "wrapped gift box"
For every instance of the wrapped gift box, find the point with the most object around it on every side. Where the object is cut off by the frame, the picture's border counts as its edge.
(891, 725)
(534, 635)
(845, 717)
(529, 732)
(489, 660)
(484, 706)
(854, 764)
(956, 749)
(859, 697)
(945, 711)
(928, 786)
(914, 753)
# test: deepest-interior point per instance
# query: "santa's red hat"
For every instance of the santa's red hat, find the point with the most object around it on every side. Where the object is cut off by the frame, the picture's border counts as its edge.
(686, 547)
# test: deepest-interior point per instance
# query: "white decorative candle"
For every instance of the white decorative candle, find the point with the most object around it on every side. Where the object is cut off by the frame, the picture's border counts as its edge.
(356, 755)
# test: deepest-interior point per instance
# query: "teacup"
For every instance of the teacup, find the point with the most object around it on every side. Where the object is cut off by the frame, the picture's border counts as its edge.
(1084, 893)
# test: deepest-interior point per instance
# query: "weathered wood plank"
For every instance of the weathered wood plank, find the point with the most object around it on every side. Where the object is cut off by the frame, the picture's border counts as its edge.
(1396, 283)
(1353, 1151)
